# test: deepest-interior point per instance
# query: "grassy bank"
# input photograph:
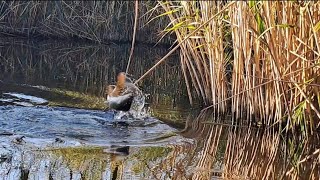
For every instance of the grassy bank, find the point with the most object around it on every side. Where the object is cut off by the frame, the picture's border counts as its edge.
(256, 60)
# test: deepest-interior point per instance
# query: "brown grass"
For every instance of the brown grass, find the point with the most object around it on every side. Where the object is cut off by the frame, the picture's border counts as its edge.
(98, 21)
(256, 60)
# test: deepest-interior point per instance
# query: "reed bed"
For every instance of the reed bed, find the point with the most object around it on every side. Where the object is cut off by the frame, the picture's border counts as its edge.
(98, 21)
(258, 60)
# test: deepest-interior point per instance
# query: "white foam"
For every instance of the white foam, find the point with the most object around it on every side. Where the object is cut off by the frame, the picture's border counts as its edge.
(118, 99)
(26, 104)
(6, 100)
(32, 99)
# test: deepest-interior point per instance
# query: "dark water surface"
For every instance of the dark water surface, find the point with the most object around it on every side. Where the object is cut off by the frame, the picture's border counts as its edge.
(54, 123)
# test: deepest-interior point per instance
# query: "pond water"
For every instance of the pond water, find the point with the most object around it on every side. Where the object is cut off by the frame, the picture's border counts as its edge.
(55, 125)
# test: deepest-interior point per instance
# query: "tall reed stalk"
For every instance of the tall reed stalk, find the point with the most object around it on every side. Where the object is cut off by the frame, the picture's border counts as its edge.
(258, 60)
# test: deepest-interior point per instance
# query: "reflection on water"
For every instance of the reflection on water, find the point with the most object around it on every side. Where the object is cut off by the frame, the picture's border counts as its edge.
(40, 140)
(235, 152)
(86, 68)
(75, 71)
(216, 151)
